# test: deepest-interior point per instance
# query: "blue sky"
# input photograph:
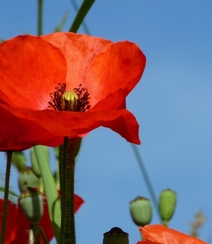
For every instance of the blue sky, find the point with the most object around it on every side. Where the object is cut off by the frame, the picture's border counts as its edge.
(172, 104)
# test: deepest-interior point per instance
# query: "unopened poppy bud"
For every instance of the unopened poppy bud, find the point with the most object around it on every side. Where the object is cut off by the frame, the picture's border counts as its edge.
(115, 236)
(167, 204)
(19, 160)
(141, 211)
(31, 203)
(69, 101)
(27, 179)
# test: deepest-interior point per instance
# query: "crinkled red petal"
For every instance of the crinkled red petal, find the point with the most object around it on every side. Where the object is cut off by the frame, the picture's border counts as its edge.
(104, 68)
(30, 68)
(11, 227)
(74, 124)
(19, 134)
(164, 235)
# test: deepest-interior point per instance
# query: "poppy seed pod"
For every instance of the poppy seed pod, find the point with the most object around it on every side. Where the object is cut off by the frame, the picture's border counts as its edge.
(69, 101)
(167, 204)
(115, 236)
(141, 211)
(31, 203)
(27, 179)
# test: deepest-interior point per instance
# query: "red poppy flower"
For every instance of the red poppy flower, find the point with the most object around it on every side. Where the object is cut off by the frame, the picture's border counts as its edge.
(32, 68)
(159, 234)
(18, 226)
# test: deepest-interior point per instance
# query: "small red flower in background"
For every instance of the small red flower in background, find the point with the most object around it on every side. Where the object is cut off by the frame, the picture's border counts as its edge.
(32, 67)
(159, 234)
(18, 226)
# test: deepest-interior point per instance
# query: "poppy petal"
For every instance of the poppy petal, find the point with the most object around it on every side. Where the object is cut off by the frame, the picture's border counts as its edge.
(11, 227)
(29, 75)
(108, 70)
(79, 51)
(19, 134)
(74, 124)
(164, 235)
(23, 227)
(101, 66)
(115, 72)
(78, 201)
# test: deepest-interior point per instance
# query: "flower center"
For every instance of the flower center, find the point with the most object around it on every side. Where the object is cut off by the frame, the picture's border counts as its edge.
(69, 101)
(76, 100)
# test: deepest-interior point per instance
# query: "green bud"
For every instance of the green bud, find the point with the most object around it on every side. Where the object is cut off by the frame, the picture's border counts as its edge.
(141, 211)
(19, 160)
(31, 203)
(27, 179)
(167, 204)
(69, 101)
(115, 236)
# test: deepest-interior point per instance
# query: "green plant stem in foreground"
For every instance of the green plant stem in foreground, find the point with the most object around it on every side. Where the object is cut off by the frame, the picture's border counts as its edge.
(84, 25)
(40, 230)
(66, 167)
(67, 154)
(6, 194)
(40, 17)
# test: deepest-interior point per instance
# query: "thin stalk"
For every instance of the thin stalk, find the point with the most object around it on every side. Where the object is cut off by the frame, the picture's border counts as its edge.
(66, 167)
(84, 25)
(6, 196)
(36, 234)
(40, 18)
(40, 230)
(85, 7)
(146, 178)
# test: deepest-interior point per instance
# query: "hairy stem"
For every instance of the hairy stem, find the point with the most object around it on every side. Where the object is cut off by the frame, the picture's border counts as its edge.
(66, 167)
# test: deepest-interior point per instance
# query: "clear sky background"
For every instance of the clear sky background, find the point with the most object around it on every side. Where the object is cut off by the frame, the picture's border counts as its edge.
(172, 103)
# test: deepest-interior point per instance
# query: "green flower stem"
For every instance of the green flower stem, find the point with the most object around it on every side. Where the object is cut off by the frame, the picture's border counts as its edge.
(67, 154)
(39, 230)
(6, 195)
(85, 7)
(36, 234)
(166, 223)
(40, 17)
(50, 190)
(66, 167)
